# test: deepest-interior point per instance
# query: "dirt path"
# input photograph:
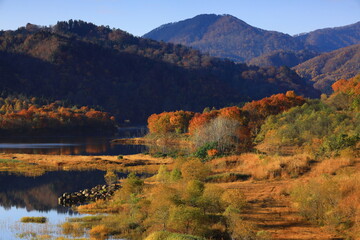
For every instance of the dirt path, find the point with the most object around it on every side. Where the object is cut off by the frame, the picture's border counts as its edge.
(270, 209)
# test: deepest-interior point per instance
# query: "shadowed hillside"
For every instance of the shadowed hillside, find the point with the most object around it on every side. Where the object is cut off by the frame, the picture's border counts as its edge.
(127, 76)
(327, 68)
(283, 58)
(329, 39)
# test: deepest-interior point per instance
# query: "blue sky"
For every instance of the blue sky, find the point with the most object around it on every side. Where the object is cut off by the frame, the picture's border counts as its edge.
(140, 16)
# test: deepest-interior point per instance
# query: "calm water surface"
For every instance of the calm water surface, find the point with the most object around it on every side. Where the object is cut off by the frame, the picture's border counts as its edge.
(22, 196)
(73, 145)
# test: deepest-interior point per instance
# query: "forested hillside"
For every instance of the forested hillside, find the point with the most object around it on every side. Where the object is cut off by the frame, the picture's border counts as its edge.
(329, 39)
(327, 68)
(127, 76)
(283, 58)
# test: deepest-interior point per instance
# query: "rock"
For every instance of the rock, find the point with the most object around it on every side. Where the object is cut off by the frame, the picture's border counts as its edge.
(88, 195)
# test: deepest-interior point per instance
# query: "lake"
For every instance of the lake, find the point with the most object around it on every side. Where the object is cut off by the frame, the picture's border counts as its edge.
(22, 196)
(74, 145)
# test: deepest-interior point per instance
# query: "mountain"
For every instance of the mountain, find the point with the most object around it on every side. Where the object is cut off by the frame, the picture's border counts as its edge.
(327, 68)
(329, 39)
(130, 77)
(224, 36)
(283, 58)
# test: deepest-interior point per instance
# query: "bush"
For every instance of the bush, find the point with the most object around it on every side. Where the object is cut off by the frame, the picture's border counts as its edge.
(227, 177)
(337, 142)
(110, 177)
(202, 152)
(163, 235)
(233, 198)
(317, 201)
(175, 175)
(99, 231)
(194, 170)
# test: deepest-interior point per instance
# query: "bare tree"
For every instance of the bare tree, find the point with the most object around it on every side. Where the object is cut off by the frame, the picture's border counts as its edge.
(221, 130)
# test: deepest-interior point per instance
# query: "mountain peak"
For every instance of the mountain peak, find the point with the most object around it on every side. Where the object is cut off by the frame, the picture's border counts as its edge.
(223, 36)
(192, 28)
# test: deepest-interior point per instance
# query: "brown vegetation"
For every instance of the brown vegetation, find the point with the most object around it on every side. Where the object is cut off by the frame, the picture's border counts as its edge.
(37, 164)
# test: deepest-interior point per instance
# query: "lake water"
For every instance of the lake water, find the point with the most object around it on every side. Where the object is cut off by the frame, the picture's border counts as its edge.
(73, 145)
(22, 196)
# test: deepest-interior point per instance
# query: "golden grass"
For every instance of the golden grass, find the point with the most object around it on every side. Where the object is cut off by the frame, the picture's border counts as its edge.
(331, 165)
(38, 164)
(262, 166)
(99, 232)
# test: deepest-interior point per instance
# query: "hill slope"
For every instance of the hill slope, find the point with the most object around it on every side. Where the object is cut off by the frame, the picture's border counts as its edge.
(327, 68)
(283, 58)
(127, 76)
(329, 39)
(224, 36)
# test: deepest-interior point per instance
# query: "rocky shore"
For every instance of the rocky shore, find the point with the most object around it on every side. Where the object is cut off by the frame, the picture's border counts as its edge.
(88, 195)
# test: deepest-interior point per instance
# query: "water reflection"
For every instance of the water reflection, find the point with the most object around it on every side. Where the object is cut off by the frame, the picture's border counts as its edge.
(41, 193)
(70, 145)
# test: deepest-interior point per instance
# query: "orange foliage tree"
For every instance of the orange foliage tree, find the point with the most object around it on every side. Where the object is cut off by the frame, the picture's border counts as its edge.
(170, 122)
(273, 105)
(55, 116)
(346, 94)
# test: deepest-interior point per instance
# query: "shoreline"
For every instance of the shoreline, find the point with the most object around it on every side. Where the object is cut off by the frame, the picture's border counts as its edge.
(153, 141)
(38, 164)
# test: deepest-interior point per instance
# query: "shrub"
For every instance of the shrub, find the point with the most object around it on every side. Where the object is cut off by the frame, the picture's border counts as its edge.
(163, 174)
(227, 177)
(212, 152)
(175, 175)
(202, 152)
(194, 170)
(110, 177)
(99, 231)
(234, 198)
(317, 201)
(163, 235)
(337, 142)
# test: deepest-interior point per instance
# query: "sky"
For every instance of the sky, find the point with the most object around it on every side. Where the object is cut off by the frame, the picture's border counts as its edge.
(141, 16)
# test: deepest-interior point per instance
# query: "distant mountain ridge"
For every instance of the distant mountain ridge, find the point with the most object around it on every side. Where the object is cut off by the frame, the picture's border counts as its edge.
(329, 39)
(129, 77)
(226, 36)
(329, 67)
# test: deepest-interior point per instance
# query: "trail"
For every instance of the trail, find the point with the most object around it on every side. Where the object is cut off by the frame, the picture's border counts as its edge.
(271, 210)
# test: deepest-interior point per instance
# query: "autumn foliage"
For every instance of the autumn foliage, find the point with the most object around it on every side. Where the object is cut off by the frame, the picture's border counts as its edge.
(346, 95)
(166, 122)
(351, 86)
(27, 115)
(234, 124)
(183, 121)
